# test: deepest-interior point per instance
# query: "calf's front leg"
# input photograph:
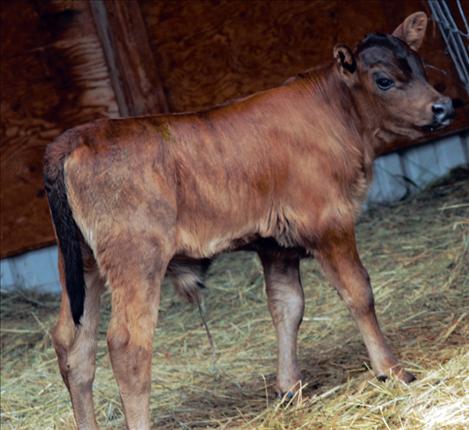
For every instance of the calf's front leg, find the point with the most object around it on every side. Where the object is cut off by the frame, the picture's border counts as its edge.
(286, 306)
(337, 253)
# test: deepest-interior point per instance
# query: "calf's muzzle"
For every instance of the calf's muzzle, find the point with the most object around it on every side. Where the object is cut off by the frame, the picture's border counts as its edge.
(443, 111)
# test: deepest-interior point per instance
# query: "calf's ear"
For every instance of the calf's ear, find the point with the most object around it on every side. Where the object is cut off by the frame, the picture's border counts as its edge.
(412, 30)
(346, 63)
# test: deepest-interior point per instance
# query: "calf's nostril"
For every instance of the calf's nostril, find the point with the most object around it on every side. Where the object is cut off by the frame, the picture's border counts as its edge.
(439, 109)
(443, 111)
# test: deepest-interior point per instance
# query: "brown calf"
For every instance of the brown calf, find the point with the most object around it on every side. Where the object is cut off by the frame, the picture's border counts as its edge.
(282, 172)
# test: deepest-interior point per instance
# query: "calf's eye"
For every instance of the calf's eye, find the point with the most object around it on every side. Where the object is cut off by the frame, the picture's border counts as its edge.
(384, 83)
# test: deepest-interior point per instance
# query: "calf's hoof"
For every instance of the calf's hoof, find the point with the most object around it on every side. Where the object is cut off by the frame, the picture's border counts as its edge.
(288, 395)
(400, 374)
(288, 389)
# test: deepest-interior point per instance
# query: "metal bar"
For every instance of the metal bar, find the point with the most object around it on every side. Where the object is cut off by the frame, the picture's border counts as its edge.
(463, 17)
(452, 37)
(457, 36)
(444, 25)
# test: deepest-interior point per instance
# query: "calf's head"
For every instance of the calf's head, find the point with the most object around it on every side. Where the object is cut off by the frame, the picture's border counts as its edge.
(387, 79)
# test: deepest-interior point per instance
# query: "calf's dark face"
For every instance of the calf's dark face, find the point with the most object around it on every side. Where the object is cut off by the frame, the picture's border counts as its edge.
(394, 77)
(389, 76)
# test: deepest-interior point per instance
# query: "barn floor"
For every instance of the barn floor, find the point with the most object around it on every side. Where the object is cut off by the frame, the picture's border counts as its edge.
(417, 253)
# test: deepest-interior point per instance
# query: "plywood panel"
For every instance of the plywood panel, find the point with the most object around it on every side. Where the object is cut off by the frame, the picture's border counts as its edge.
(53, 77)
(209, 51)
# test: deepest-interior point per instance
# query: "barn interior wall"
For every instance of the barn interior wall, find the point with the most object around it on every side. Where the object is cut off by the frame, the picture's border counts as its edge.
(209, 51)
(55, 75)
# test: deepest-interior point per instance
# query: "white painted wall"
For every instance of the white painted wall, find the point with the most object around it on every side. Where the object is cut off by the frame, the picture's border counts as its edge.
(410, 170)
(32, 270)
(395, 176)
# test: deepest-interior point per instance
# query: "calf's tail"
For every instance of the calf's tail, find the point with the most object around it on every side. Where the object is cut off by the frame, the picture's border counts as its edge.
(67, 232)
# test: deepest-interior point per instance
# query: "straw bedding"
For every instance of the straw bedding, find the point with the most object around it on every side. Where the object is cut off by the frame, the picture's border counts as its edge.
(417, 253)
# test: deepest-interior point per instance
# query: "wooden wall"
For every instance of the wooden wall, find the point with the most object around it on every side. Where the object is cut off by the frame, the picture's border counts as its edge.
(53, 77)
(209, 51)
(56, 70)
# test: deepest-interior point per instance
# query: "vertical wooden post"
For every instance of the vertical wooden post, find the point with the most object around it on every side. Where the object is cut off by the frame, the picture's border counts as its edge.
(132, 68)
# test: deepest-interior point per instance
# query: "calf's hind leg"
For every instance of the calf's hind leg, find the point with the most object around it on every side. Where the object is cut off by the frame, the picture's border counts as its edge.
(337, 253)
(134, 269)
(286, 305)
(76, 345)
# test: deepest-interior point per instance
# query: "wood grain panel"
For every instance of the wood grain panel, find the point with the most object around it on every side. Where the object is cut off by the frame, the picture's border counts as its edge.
(53, 77)
(130, 61)
(209, 51)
